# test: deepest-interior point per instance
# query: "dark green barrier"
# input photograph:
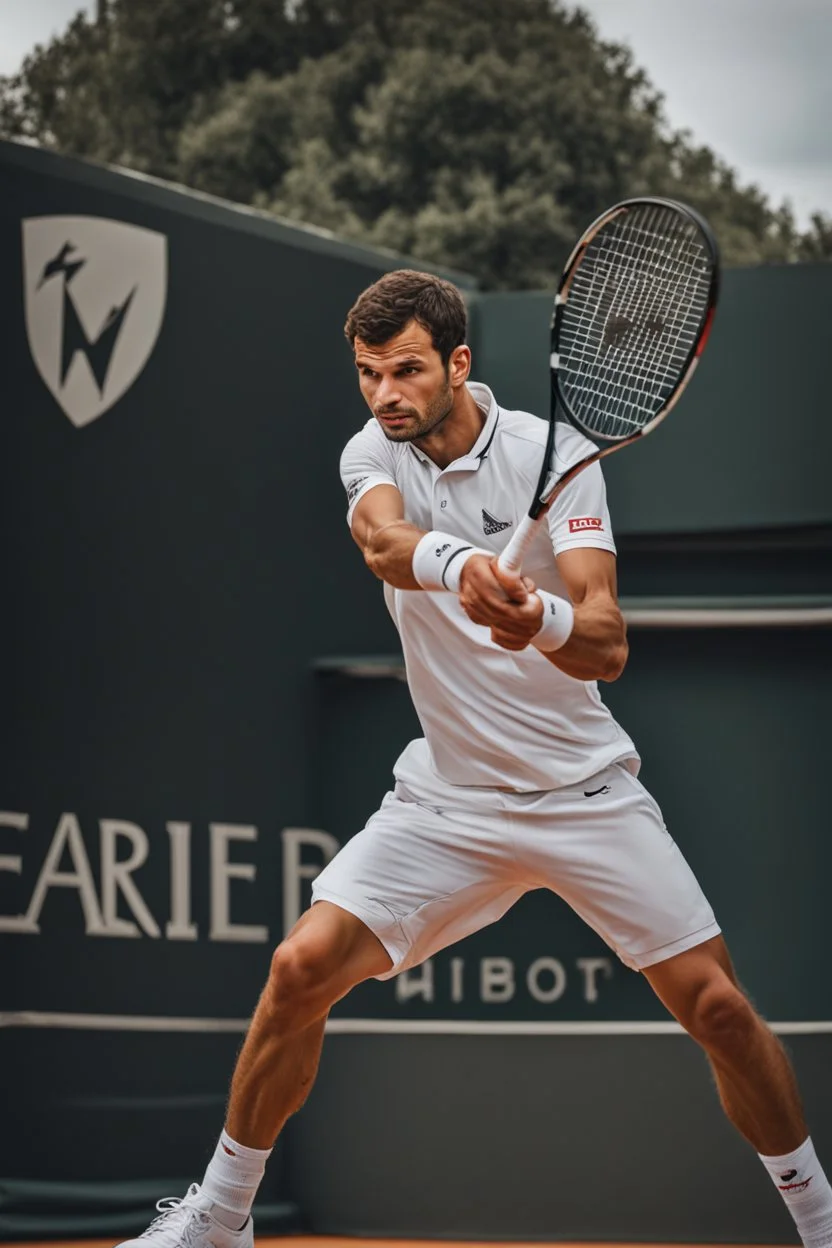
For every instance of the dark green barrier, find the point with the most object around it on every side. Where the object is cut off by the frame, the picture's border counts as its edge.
(175, 561)
(172, 560)
(748, 445)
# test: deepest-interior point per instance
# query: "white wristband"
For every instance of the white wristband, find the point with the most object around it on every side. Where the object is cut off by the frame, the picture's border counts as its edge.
(558, 622)
(439, 559)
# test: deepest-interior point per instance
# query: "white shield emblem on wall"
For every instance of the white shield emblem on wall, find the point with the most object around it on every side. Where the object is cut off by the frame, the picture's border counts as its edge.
(95, 292)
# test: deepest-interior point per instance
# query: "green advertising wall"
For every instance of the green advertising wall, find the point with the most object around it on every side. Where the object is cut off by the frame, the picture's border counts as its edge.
(747, 446)
(202, 700)
(170, 567)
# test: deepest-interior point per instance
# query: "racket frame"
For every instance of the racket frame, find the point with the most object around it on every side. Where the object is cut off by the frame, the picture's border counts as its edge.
(550, 485)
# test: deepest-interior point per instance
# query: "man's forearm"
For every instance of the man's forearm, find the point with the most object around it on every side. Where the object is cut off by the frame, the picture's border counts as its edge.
(388, 553)
(409, 558)
(597, 647)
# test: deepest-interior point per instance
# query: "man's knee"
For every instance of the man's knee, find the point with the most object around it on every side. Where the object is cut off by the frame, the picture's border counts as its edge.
(302, 980)
(327, 953)
(721, 1018)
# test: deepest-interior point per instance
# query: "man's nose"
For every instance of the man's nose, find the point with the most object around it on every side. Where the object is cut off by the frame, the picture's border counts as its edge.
(387, 392)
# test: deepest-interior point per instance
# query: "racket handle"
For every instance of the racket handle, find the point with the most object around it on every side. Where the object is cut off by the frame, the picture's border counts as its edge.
(511, 560)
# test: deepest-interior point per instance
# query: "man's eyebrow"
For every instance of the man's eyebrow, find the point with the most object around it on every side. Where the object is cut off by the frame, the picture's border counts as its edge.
(403, 363)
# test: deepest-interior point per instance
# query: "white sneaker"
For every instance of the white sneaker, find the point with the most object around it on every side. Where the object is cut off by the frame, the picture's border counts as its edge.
(188, 1223)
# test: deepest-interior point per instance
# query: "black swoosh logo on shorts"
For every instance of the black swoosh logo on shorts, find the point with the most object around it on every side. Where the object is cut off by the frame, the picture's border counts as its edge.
(605, 788)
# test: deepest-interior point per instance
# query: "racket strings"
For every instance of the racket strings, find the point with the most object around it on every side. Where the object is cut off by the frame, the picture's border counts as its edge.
(624, 376)
(635, 309)
(649, 374)
(646, 281)
(632, 370)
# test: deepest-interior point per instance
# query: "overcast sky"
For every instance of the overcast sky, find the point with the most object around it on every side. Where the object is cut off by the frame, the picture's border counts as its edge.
(751, 78)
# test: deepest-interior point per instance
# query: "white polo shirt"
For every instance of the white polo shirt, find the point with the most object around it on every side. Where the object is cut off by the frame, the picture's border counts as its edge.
(493, 717)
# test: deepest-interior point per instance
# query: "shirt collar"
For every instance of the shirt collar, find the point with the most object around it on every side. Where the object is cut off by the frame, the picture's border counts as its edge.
(487, 404)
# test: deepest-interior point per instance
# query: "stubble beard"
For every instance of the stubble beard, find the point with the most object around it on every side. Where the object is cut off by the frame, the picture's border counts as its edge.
(437, 411)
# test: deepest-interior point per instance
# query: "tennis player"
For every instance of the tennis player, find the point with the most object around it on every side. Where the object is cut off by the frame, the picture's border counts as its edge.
(522, 779)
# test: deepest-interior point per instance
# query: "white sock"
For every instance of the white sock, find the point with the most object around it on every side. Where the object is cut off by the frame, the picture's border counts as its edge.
(232, 1179)
(800, 1180)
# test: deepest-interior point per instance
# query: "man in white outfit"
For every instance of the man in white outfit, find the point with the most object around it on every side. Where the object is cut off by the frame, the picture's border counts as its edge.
(522, 780)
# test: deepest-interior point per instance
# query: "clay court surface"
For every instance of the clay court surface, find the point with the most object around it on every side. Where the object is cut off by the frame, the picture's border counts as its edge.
(326, 1241)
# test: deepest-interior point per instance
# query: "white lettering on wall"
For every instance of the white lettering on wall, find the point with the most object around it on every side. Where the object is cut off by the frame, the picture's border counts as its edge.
(222, 872)
(67, 837)
(496, 980)
(590, 967)
(68, 863)
(295, 871)
(418, 983)
(119, 910)
(546, 966)
(13, 862)
(457, 983)
(116, 878)
(180, 926)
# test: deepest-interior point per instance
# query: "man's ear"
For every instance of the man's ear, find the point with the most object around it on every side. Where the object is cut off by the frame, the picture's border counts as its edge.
(459, 365)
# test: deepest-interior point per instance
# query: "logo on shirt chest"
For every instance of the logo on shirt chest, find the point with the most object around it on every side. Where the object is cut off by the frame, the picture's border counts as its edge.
(491, 525)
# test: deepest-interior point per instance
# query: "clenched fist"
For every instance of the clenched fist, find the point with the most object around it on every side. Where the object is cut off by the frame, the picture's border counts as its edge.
(501, 601)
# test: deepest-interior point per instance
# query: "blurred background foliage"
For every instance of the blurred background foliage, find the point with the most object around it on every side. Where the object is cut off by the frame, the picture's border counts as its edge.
(481, 135)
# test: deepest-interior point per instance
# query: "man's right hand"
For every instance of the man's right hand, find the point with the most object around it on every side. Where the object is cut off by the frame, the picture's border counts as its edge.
(506, 605)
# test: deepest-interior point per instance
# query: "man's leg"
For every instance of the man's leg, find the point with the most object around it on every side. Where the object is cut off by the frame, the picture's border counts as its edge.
(412, 873)
(326, 954)
(754, 1077)
(623, 873)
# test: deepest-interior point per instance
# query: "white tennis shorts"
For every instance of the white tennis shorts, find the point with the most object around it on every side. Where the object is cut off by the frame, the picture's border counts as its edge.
(438, 862)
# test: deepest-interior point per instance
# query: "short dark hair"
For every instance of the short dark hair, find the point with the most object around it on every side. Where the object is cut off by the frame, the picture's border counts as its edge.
(383, 310)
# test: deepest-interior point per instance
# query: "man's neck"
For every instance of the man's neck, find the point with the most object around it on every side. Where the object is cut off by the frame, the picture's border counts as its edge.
(458, 432)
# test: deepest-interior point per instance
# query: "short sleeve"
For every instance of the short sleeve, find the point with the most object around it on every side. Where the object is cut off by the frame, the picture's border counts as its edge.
(580, 517)
(366, 462)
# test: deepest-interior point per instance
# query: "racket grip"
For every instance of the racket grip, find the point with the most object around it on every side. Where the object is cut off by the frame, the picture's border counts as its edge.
(511, 559)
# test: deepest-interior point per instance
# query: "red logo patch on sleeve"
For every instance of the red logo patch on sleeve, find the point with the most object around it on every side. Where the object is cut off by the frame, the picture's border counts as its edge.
(578, 523)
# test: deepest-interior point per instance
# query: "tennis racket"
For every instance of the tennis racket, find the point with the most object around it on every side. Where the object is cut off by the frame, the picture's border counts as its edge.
(631, 318)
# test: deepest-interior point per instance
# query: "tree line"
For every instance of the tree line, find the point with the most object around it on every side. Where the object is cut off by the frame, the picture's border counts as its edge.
(481, 135)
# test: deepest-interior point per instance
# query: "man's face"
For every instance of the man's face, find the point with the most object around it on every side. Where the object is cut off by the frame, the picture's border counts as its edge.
(406, 385)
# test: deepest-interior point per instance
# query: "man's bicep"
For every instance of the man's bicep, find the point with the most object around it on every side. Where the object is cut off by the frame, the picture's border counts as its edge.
(366, 463)
(587, 572)
(579, 517)
(381, 504)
